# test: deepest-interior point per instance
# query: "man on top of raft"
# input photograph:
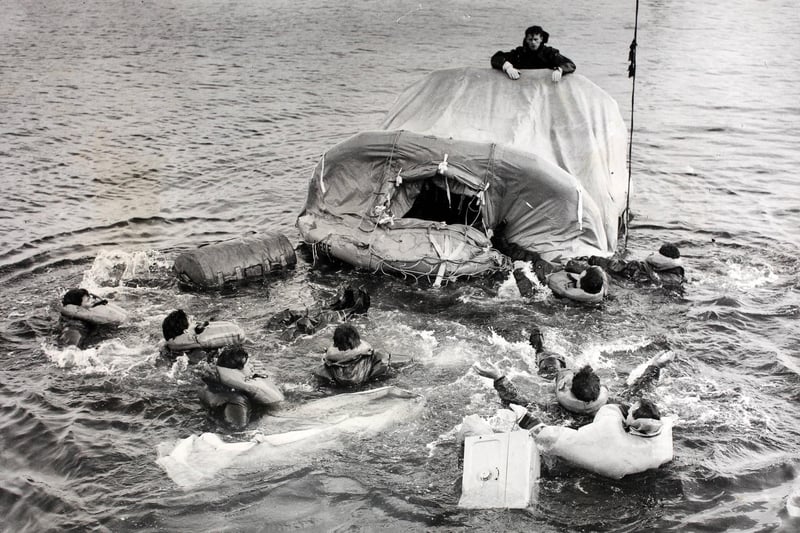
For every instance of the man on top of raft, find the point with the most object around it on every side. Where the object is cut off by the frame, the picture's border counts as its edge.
(533, 54)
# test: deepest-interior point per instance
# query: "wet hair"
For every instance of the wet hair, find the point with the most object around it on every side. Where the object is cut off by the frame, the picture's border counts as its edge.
(346, 337)
(538, 30)
(174, 324)
(586, 385)
(74, 296)
(669, 250)
(361, 303)
(535, 340)
(232, 357)
(549, 366)
(592, 280)
(646, 409)
(351, 300)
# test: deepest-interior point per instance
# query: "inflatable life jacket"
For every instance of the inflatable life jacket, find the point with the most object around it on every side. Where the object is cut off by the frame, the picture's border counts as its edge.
(214, 265)
(259, 390)
(215, 335)
(604, 447)
(568, 401)
(105, 314)
(335, 356)
(662, 262)
(351, 367)
(564, 284)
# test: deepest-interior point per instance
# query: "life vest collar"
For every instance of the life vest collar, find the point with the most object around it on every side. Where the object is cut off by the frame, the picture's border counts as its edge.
(568, 401)
(662, 262)
(643, 427)
(347, 356)
(566, 285)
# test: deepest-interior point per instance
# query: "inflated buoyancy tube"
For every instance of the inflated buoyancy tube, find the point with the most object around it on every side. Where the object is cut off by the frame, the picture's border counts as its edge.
(214, 335)
(662, 262)
(563, 284)
(246, 258)
(568, 400)
(258, 389)
(605, 447)
(108, 313)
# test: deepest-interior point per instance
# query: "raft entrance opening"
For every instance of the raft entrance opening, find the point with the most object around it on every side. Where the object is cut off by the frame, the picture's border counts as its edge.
(432, 204)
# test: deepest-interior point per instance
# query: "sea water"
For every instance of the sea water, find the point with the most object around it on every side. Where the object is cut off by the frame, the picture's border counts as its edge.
(133, 130)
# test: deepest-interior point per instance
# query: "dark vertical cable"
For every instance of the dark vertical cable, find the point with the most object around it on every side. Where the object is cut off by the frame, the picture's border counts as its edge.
(631, 74)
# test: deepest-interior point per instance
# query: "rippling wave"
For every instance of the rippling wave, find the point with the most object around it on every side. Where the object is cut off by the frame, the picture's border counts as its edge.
(130, 132)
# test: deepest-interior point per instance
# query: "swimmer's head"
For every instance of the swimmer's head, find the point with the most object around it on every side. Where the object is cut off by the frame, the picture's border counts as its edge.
(586, 384)
(346, 337)
(174, 324)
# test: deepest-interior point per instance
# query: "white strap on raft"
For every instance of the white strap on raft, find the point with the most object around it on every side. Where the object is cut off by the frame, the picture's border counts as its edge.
(445, 255)
(322, 175)
(580, 208)
(398, 181)
(441, 169)
(443, 165)
(482, 194)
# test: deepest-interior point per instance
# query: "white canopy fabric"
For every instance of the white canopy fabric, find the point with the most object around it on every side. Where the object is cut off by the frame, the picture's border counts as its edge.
(574, 124)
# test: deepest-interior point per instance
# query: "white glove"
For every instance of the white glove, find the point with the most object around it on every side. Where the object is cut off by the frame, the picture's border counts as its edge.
(510, 71)
(557, 75)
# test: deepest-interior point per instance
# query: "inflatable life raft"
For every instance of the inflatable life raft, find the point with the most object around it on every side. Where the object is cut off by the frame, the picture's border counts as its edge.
(105, 314)
(435, 251)
(215, 335)
(260, 390)
(604, 447)
(214, 265)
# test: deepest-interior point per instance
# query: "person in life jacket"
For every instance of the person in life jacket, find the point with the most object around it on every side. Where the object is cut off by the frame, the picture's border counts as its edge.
(587, 286)
(232, 388)
(579, 393)
(76, 331)
(661, 268)
(350, 361)
(621, 440)
(198, 340)
(548, 363)
(348, 302)
(175, 324)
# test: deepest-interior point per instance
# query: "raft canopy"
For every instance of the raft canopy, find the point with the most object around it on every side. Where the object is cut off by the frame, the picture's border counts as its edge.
(540, 165)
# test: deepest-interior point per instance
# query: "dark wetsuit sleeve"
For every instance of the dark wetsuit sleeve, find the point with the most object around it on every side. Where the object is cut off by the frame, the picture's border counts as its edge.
(632, 270)
(555, 59)
(500, 57)
(508, 392)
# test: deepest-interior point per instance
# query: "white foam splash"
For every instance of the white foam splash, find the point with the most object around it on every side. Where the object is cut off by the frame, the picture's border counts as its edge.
(750, 276)
(113, 267)
(107, 357)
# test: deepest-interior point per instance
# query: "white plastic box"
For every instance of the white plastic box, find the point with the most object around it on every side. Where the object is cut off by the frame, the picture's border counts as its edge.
(500, 470)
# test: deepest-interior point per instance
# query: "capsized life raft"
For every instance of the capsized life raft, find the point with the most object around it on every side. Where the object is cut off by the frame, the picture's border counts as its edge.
(215, 335)
(106, 314)
(213, 265)
(605, 447)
